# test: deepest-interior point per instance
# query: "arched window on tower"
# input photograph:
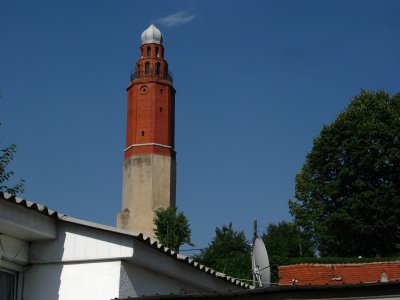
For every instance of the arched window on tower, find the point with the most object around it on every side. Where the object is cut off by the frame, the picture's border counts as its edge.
(147, 68)
(158, 69)
(148, 51)
(157, 54)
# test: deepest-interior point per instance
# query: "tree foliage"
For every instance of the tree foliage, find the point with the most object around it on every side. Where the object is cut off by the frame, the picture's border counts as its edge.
(285, 239)
(348, 191)
(6, 156)
(172, 228)
(228, 252)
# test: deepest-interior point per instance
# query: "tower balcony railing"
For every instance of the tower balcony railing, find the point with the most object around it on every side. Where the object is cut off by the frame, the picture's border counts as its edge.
(153, 73)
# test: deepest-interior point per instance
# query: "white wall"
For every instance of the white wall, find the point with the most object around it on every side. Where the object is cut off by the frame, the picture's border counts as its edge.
(85, 263)
(73, 281)
(82, 263)
(74, 259)
(80, 243)
(42, 282)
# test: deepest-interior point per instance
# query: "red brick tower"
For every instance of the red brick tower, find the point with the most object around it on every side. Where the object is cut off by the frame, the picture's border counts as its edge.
(149, 166)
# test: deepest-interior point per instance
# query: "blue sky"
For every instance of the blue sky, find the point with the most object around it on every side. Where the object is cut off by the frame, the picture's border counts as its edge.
(255, 81)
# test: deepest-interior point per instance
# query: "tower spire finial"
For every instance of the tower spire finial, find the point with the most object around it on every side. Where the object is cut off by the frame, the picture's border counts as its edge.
(152, 35)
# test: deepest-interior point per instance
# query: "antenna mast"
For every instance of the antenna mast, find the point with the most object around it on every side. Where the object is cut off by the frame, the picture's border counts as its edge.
(255, 230)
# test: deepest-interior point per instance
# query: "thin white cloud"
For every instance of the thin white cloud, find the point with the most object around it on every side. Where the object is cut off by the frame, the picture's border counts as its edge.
(177, 19)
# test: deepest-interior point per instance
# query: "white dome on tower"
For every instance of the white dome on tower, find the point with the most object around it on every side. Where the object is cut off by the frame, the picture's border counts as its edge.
(152, 35)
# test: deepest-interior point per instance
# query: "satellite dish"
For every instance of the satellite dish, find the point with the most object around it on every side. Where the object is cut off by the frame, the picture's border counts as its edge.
(260, 262)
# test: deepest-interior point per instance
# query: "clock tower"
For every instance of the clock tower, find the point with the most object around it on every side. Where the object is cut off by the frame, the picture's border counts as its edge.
(149, 171)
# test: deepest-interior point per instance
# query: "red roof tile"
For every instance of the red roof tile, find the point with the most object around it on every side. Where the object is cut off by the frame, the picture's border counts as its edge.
(331, 274)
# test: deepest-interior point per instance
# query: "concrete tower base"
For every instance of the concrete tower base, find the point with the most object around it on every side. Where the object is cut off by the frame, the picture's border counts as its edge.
(146, 177)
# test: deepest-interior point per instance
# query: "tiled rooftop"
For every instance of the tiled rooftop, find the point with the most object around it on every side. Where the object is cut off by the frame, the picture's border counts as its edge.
(333, 274)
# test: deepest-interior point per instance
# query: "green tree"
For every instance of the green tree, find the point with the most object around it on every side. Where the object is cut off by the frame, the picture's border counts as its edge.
(285, 239)
(172, 229)
(348, 191)
(6, 156)
(228, 252)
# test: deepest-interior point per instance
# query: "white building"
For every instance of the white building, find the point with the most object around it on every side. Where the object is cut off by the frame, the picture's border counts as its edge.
(47, 255)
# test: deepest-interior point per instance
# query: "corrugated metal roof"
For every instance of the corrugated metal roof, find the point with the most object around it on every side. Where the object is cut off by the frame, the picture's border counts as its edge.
(343, 291)
(42, 209)
(39, 208)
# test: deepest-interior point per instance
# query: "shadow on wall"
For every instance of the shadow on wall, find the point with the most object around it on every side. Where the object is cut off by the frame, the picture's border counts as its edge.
(42, 278)
(137, 281)
(42, 282)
